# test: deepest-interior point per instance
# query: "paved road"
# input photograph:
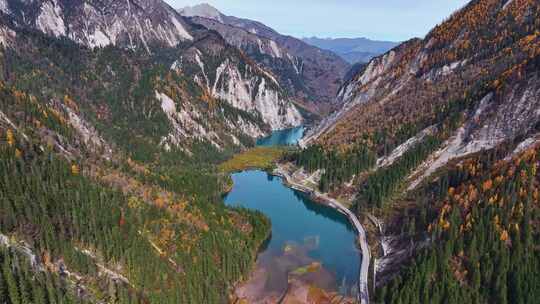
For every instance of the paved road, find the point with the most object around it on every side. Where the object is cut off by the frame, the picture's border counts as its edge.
(363, 295)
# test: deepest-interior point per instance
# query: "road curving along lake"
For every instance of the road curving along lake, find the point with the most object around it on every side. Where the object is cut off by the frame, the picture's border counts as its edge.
(310, 242)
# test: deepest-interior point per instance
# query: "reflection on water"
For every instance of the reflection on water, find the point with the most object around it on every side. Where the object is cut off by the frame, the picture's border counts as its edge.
(308, 240)
(285, 137)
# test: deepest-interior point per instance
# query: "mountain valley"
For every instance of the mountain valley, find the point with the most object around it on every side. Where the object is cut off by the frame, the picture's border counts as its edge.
(151, 154)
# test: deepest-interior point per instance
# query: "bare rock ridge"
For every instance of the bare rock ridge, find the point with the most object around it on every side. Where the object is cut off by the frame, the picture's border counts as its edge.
(309, 74)
(129, 23)
(408, 83)
(153, 26)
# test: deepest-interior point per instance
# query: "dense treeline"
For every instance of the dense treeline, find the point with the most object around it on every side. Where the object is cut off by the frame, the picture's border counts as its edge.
(337, 167)
(382, 184)
(115, 91)
(21, 283)
(170, 236)
(484, 233)
(186, 257)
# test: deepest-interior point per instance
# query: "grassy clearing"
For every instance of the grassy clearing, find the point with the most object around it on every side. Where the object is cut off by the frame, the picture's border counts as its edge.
(256, 158)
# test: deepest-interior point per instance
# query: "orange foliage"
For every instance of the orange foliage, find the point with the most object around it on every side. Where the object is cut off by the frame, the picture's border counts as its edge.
(487, 185)
(10, 138)
(504, 236)
(75, 169)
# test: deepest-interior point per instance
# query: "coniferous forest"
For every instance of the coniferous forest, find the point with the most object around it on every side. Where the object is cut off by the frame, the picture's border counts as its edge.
(482, 218)
(117, 231)
(120, 122)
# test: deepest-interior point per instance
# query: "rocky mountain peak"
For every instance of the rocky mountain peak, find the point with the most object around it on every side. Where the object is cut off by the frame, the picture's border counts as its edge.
(204, 10)
(129, 23)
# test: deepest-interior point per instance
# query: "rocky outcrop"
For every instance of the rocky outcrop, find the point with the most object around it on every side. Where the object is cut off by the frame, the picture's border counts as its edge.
(226, 75)
(311, 75)
(454, 64)
(125, 23)
(152, 26)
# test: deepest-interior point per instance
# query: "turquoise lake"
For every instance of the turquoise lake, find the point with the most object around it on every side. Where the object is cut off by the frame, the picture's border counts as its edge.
(285, 137)
(303, 232)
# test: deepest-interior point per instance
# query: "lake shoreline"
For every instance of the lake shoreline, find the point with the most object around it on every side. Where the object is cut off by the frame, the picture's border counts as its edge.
(316, 196)
(250, 287)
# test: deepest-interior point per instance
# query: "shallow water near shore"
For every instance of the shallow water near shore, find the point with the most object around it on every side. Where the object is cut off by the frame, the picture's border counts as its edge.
(303, 233)
(310, 242)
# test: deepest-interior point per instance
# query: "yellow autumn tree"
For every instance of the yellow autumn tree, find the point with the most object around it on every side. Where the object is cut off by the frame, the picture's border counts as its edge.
(10, 138)
(75, 169)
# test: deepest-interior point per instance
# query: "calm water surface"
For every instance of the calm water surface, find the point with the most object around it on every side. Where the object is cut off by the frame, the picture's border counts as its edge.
(303, 231)
(283, 137)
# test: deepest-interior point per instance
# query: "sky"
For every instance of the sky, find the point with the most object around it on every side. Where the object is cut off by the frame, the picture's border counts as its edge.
(395, 20)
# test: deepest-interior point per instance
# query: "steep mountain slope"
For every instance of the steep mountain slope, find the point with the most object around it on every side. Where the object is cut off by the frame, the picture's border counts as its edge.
(426, 149)
(484, 52)
(109, 191)
(309, 74)
(152, 26)
(353, 50)
(226, 73)
(129, 23)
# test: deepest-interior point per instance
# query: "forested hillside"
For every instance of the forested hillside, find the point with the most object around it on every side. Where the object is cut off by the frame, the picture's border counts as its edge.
(482, 216)
(161, 247)
(436, 149)
(109, 187)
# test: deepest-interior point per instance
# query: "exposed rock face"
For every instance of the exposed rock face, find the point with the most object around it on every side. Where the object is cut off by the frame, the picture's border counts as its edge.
(492, 123)
(309, 74)
(225, 74)
(456, 61)
(202, 10)
(153, 26)
(124, 23)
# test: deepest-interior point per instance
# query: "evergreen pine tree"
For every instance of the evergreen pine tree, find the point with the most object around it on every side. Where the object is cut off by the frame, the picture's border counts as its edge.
(11, 282)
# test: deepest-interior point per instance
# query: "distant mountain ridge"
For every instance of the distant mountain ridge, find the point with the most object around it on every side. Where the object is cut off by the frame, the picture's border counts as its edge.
(353, 50)
(310, 75)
